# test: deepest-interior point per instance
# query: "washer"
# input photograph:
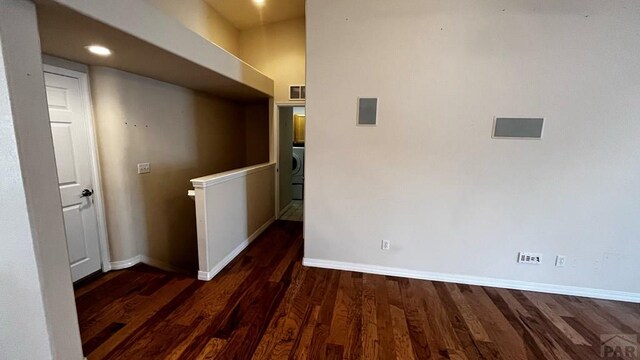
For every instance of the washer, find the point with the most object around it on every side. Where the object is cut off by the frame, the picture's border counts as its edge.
(297, 173)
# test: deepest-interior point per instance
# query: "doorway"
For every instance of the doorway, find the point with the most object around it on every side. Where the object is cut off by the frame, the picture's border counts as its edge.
(69, 107)
(291, 161)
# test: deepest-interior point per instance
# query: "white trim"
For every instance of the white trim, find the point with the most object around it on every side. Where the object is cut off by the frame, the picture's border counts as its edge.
(278, 105)
(475, 280)
(205, 275)
(123, 264)
(210, 180)
(64, 64)
(300, 86)
(80, 71)
(273, 151)
(276, 146)
(208, 275)
(291, 103)
(202, 227)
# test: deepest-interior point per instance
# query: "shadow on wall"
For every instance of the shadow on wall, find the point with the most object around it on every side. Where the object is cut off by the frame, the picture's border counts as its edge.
(216, 144)
(183, 135)
(256, 130)
(222, 144)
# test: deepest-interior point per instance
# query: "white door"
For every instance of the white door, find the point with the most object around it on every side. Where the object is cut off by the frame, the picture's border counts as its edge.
(69, 126)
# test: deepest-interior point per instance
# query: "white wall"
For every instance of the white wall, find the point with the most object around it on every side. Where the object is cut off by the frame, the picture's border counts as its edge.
(22, 310)
(430, 178)
(183, 134)
(37, 312)
(233, 208)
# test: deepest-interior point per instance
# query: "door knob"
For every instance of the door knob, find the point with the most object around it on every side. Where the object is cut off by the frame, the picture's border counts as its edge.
(87, 193)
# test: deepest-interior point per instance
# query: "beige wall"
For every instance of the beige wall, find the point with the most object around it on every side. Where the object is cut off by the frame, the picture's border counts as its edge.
(201, 18)
(256, 117)
(430, 178)
(183, 135)
(277, 50)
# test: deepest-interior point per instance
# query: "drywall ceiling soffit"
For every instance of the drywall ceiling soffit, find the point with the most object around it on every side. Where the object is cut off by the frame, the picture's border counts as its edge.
(244, 14)
(65, 32)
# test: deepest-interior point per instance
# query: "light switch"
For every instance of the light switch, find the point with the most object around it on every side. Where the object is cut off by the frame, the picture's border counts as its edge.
(144, 168)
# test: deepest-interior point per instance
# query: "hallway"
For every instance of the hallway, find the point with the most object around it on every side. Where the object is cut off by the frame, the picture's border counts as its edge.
(295, 211)
(266, 305)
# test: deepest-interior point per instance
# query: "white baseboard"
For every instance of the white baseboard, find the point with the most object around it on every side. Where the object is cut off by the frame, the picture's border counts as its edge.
(202, 275)
(106, 267)
(208, 275)
(123, 264)
(475, 280)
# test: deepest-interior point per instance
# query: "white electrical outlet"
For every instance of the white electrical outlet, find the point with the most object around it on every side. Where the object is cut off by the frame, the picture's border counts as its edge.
(561, 260)
(386, 244)
(144, 168)
(529, 258)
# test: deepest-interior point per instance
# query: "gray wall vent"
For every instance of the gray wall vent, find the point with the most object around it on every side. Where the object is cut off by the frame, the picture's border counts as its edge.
(297, 92)
(518, 128)
(367, 111)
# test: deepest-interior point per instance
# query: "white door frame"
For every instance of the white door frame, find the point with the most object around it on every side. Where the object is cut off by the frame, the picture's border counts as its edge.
(292, 103)
(81, 72)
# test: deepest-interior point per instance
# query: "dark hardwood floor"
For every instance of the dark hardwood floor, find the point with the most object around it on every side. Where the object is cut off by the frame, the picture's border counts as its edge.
(266, 305)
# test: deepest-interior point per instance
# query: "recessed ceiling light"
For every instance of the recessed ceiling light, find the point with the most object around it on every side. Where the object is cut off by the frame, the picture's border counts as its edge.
(98, 50)
(259, 3)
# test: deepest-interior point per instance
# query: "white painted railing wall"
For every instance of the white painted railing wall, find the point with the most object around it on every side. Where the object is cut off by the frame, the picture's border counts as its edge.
(232, 209)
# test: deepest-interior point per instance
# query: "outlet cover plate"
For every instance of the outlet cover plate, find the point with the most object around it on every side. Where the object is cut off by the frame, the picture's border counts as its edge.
(529, 258)
(386, 245)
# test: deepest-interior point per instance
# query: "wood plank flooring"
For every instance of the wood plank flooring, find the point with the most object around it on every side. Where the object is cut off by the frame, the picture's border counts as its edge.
(266, 305)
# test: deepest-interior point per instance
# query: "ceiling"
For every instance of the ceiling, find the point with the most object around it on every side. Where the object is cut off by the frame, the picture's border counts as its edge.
(244, 14)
